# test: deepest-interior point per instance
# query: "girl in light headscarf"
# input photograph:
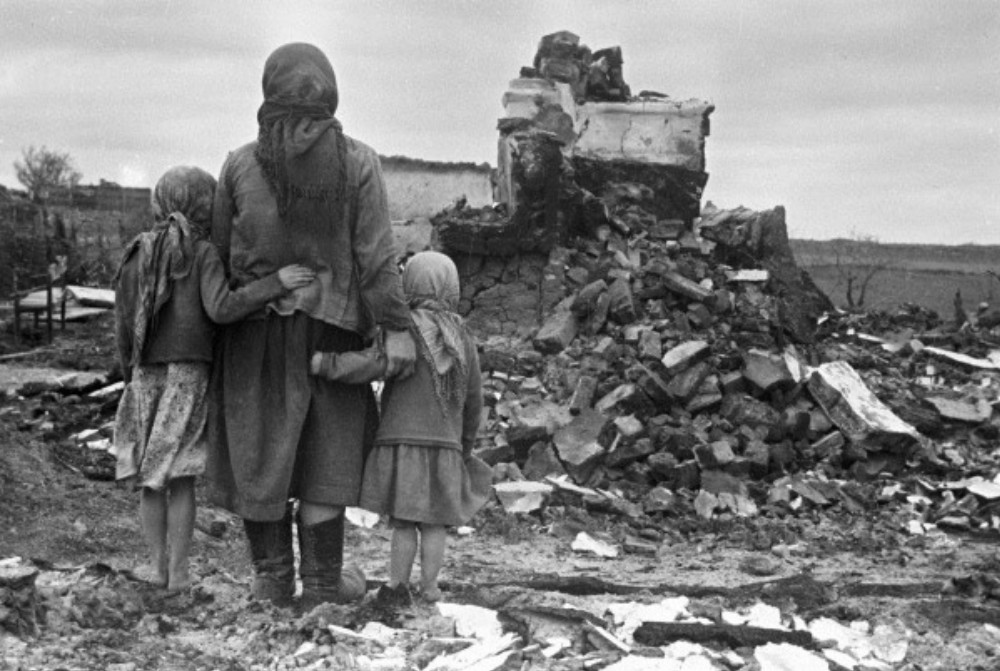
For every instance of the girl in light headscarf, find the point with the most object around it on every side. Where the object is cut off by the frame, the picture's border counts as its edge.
(170, 288)
(421, 472)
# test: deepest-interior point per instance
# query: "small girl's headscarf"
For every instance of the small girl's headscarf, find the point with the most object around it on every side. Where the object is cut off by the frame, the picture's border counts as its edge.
(430, 281)
(182, 210)
(300, 145)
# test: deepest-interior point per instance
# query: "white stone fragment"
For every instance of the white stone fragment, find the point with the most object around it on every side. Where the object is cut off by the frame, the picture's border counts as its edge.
(360, 517)
(584, 542)
(765, 616)
(788, 657)
(481, 623)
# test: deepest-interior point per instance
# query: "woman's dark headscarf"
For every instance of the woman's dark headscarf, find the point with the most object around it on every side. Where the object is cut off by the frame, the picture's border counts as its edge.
(300, 145)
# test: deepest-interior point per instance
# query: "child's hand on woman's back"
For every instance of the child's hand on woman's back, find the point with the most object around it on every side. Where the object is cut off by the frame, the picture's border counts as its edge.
(295, 276)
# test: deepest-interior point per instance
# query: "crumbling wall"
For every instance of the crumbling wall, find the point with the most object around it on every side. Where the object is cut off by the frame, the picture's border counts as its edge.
(508, 295)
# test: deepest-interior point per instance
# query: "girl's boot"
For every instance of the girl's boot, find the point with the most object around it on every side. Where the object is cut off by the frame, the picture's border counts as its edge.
(325, 579)
(273, 560)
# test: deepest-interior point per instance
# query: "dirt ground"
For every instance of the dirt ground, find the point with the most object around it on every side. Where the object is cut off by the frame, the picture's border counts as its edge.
(936, 589)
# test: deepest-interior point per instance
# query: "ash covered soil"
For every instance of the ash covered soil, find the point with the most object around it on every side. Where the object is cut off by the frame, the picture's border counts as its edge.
(916, 600)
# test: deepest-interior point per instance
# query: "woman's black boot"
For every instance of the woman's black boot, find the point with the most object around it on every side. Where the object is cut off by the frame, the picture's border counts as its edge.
(325, 579)
(273, 560)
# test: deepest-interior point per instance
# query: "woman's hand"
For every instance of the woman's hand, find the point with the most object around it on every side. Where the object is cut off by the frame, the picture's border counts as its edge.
(295, 276)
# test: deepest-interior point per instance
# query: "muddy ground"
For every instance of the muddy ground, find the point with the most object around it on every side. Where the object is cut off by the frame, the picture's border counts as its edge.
(83, 536)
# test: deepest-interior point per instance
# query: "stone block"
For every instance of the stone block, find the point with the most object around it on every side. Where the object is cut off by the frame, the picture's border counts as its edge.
(586, 299)
(829, 447)
(856, 411)
(740, 409)
(961, 411)
(622, 395)
(621, 307)
(767, 371)
(700, 316)
(598, 316)
(659, 500)
(579, 446)
(662, 465)
(522, 496)
(718, 482)
(650, 346)
(714, 455)
(557, 332)
(684, 355)
(683, 386)
(819, 423)
(629, 426)
(583, 394)
(678, 284)
(759, 457)
(733, 382)
(654, 385)
(496, 454)
(708, 396)
(542, 461)
(521, 437)
(629, 453)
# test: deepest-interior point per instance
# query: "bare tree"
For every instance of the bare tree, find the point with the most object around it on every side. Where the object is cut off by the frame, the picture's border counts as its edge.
(859, 260)
(41, 170)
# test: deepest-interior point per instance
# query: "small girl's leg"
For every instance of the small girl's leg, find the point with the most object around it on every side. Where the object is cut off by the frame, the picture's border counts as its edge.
(153, 518)
(180, 528)
(433, 538)
(402, 552)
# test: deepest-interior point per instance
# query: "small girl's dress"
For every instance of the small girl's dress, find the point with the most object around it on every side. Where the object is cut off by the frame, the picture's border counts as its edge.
(160, 425)
(421, 468)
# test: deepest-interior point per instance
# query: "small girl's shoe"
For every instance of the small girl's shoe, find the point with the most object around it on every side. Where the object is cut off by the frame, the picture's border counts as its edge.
(394, 597)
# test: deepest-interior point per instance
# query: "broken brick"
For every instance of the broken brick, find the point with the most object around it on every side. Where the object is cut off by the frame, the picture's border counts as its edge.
(557, 332)
(685, 355)
(766, 371)
(579, 446)
(542, 461)
(714, 455)
(685, 384)
(621, 307)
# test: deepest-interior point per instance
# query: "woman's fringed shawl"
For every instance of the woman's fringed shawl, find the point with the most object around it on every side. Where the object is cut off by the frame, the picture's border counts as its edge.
(300, 145)
(182, 208)
(430, 281)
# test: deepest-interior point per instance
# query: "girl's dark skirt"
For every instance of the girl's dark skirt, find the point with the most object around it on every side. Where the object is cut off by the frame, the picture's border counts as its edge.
(278, 432)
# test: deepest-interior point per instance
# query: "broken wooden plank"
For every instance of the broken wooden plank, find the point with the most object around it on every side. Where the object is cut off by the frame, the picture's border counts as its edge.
(91, 297)
(963, 359)
(735, 636)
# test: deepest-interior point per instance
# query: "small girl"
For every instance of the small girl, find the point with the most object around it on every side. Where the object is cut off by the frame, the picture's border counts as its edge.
(421, 472)
(170, 288)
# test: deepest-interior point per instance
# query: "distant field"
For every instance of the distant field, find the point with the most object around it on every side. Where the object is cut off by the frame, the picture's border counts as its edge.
(928, 275)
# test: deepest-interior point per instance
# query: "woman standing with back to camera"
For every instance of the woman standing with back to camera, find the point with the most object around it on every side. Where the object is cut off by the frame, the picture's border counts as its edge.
(303, 192)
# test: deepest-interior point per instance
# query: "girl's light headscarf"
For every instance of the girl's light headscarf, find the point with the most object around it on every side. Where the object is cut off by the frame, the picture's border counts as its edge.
(182, 210)
(430, 281)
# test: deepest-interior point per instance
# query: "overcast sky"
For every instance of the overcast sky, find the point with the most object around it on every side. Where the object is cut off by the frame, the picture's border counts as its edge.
(870, 117)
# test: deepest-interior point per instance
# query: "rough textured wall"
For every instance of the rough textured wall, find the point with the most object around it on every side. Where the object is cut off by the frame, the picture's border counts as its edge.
(424, 188)
(509, 295)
